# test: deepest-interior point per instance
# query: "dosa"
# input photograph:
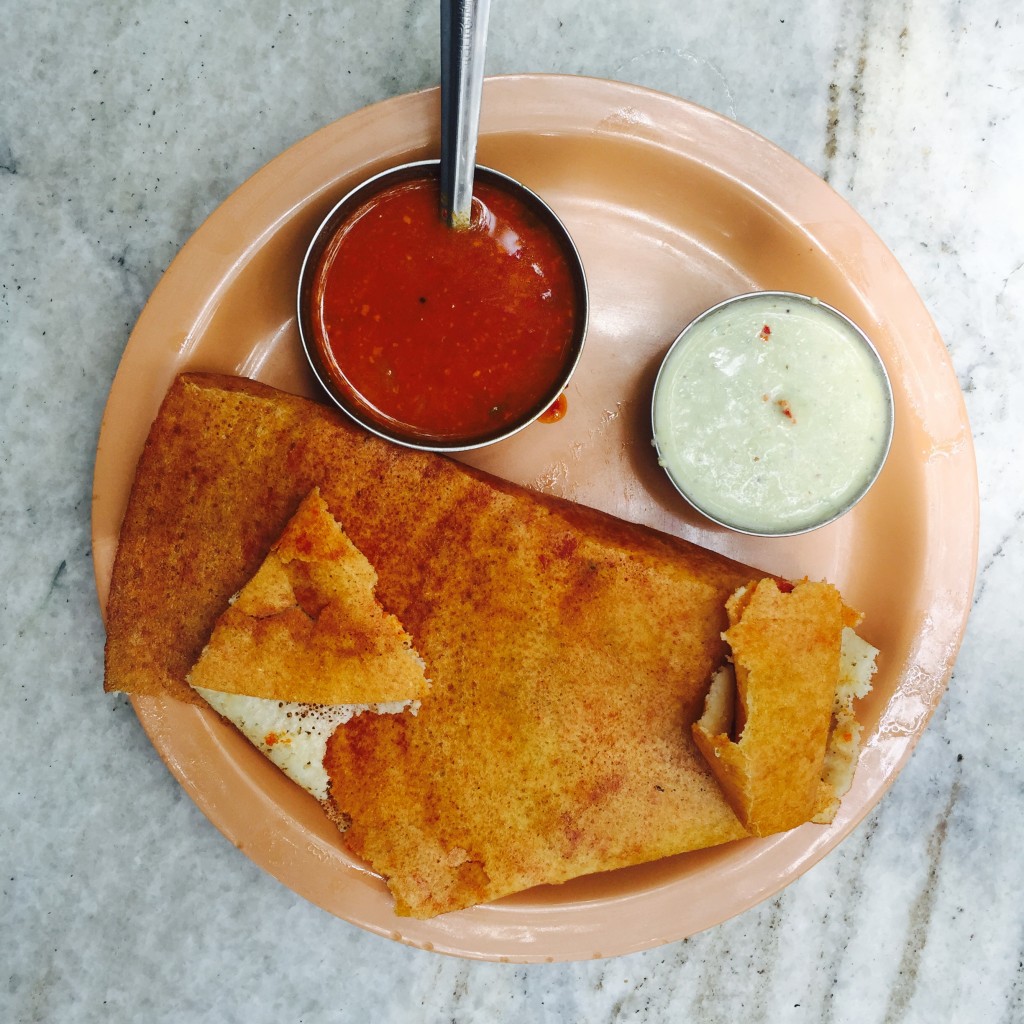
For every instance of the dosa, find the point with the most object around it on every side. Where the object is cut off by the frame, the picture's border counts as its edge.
(569, 652)
(307, 627)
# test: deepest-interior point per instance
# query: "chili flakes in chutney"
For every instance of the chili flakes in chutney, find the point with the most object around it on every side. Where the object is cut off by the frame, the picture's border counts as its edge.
(442, 332)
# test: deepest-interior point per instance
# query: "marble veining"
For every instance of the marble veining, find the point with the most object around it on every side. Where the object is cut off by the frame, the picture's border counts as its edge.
(123, 126)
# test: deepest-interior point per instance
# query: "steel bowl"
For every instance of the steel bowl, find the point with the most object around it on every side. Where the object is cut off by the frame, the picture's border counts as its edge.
(361, 412)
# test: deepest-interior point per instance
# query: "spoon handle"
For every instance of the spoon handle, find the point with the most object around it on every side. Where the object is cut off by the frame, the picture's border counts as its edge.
(463, 39)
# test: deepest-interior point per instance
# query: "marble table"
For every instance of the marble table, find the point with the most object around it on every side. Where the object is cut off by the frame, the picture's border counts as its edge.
(122, 127)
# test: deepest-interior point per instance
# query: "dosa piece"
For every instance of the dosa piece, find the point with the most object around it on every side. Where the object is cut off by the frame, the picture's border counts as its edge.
(569, 652)
(307, 627)
(778, 729)
(305, 646)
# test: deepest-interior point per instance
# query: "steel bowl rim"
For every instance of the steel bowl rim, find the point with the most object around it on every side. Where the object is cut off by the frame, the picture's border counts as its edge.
(681, 338)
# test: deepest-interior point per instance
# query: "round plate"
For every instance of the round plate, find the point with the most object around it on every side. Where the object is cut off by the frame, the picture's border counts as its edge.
(673, 209)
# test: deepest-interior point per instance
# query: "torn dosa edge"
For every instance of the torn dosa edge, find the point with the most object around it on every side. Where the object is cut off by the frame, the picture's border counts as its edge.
(304, 646)
(778, 730)
(307, 627)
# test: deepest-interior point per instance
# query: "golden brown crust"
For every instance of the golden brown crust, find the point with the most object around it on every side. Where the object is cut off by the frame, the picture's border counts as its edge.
(189, 539)
(226, 464)
(569, 651)
(769, 757)
(558, 749)
(307, 628)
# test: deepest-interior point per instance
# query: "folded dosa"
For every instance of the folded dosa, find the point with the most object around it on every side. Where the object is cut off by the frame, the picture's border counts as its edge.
(569, 652)
(771, 773)
(307, 627)
(305, 646)
(778, 729)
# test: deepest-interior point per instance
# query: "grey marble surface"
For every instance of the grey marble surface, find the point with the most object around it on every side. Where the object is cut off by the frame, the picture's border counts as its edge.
(122, 126)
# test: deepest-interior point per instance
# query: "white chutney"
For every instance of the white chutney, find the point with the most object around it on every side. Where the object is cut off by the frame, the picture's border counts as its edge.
(772, 413)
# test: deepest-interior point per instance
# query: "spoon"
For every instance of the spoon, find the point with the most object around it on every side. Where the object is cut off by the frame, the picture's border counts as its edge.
(463, 39)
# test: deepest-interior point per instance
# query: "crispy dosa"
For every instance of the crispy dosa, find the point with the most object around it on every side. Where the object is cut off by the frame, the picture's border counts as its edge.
(569, 652)
(785, 652)
(307, 627)
(778, 728)
(305, 646)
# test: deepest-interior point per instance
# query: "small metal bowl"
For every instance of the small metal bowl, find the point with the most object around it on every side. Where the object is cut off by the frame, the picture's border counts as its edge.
(362, 413)
(738, 463)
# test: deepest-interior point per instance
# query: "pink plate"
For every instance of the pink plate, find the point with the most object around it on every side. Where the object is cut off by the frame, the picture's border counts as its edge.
(673, 208)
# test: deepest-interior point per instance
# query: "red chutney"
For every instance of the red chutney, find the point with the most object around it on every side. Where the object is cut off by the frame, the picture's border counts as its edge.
(445, 333)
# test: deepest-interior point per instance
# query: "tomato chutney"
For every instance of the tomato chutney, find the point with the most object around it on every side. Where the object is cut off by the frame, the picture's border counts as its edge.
(453, 335)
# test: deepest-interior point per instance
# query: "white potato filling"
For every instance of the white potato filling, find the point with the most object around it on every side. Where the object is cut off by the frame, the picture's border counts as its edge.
(294, 736)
